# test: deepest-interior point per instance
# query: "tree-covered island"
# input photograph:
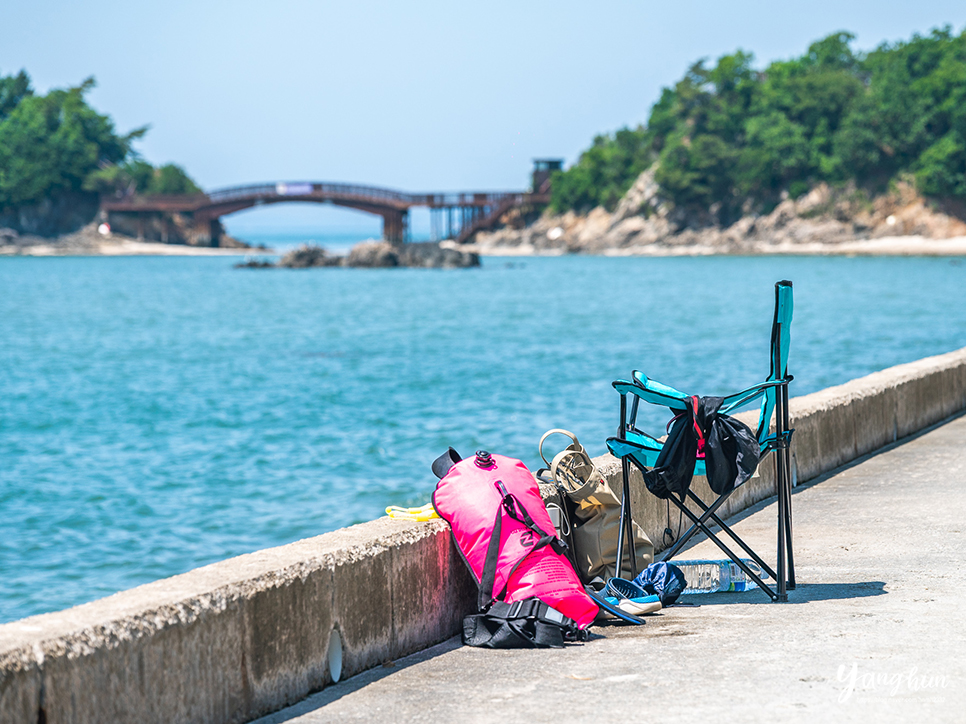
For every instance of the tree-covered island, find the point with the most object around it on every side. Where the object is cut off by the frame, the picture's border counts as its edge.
(58, 155)
(821, 151)
(734, 138)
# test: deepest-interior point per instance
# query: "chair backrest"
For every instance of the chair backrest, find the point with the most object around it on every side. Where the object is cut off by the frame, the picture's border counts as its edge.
(781, 334)
(643, 388)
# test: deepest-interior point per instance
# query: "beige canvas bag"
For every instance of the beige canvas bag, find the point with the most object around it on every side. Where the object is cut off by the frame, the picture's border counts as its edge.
(594, 513)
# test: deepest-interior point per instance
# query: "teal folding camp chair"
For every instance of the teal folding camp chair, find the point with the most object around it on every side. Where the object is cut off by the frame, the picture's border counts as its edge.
(637, 448)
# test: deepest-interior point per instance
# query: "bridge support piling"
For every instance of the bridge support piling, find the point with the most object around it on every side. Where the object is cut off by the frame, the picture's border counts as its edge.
(214, 232)
(394, 225)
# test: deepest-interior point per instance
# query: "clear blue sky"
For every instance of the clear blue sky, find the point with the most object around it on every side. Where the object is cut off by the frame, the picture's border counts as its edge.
(419, 96)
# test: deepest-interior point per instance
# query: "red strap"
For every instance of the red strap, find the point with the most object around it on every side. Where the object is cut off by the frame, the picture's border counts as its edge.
(697, 427)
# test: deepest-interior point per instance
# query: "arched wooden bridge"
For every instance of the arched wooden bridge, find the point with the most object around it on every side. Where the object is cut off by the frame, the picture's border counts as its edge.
(453, 215)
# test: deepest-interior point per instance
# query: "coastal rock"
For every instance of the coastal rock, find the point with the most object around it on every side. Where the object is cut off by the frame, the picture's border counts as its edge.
(307, 256)
(432, 255)
(255, 264)
(640, 198)
(174, 228)
(62, 213)
(596, 226)
(375, 255)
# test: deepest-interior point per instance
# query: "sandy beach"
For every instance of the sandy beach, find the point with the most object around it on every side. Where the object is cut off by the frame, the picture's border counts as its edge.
(126, 247)
(88, 242)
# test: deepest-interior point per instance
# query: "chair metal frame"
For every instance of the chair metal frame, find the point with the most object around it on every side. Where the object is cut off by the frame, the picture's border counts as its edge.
(635, 447)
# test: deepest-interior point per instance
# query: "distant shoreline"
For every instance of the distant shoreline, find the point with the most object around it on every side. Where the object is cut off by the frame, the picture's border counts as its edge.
(125, 247)
(885, 246)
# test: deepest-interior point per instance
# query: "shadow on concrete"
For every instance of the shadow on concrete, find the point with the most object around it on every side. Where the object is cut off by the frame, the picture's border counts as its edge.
(803, 593)
(334, 692)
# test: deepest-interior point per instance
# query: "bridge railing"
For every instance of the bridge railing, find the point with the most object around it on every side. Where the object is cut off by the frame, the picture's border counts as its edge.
(305, 188)
(474, 199)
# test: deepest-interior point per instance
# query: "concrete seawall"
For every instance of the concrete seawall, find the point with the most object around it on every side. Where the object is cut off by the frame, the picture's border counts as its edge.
(243, 637)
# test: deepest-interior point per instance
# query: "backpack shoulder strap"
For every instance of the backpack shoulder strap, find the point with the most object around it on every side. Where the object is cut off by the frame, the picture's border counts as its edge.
(514, 508)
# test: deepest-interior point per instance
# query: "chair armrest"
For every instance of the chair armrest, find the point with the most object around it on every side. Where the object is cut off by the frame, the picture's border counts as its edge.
(652, 392)
(643, 450)
(639, 446)
(739, 399)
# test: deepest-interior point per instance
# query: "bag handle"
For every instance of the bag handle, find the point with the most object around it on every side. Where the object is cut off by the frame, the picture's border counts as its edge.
(556, 431)
(557, 469)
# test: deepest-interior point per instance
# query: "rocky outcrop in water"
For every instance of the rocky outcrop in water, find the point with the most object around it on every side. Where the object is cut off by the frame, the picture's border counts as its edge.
(374, 255)
(308, 256)
(426, 255)
(646, 223)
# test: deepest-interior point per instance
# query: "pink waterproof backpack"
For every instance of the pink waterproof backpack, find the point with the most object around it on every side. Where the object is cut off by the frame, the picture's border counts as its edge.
(502, 528)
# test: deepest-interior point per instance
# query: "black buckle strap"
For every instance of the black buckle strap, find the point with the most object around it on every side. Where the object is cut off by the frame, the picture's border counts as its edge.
(523, 624)
(530, 608)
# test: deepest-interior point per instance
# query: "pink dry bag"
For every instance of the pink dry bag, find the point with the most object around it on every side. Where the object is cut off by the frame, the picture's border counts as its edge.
(502, 528)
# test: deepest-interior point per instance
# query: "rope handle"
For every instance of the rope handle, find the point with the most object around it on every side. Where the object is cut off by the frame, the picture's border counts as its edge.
(557, 431)
(564, 475)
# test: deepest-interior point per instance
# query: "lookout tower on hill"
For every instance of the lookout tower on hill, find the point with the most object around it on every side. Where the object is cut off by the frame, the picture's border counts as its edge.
(542, 168)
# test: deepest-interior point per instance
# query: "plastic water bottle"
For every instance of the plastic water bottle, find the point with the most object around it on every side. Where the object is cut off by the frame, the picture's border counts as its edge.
(707, 576)
(740, 581)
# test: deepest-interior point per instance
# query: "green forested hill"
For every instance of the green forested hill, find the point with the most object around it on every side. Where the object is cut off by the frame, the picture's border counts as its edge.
(729, 137)
(55, 143)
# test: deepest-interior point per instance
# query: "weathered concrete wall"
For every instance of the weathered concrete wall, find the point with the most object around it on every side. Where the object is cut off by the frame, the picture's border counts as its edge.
(237, 639)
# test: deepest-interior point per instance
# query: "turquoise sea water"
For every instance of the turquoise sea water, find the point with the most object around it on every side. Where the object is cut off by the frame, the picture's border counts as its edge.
(158, 414)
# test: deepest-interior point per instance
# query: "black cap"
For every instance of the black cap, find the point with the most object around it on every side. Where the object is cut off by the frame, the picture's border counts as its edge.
(444, 462)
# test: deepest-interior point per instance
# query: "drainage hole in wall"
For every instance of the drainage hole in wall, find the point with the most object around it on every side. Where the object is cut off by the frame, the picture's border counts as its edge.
(335, 655)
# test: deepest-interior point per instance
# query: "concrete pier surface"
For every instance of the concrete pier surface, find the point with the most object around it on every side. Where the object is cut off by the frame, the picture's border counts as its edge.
(874, 631)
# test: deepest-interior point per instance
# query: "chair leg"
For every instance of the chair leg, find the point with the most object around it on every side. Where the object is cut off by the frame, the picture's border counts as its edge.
(734, 536)
(710, 513)
(728, 552)
(782, 540)
(692, 531)
(629, 522)
(780, 483)
(626, 519)
(788, 519)
(787, 461)
(783, 481)
(625, 522)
